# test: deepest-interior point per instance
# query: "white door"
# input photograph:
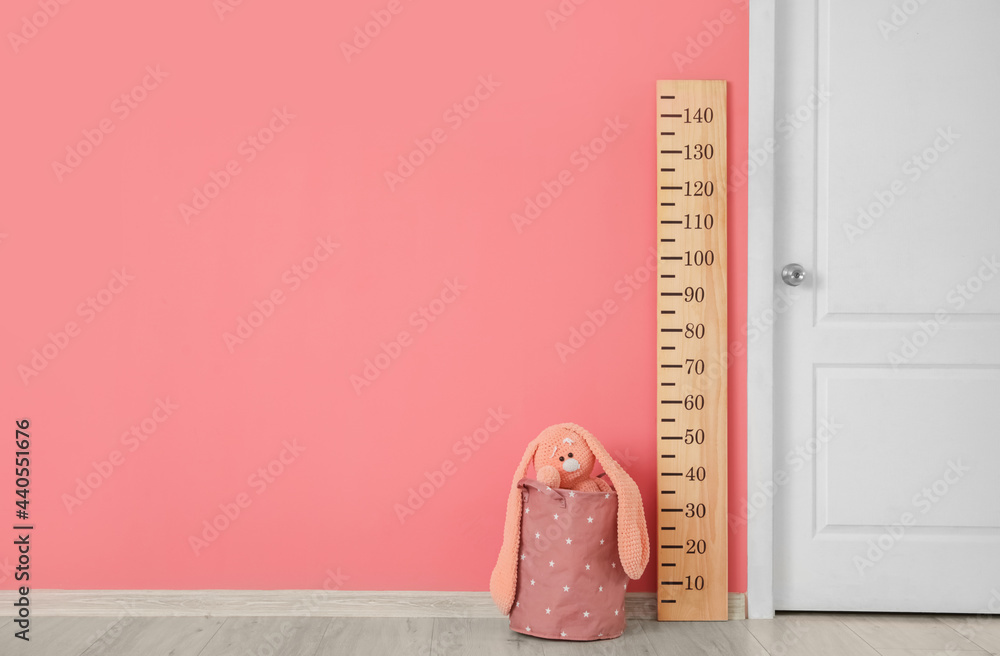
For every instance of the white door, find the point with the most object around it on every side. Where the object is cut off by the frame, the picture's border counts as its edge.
(887, 357)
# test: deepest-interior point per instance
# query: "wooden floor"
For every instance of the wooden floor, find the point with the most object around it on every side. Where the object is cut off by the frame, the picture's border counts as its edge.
(806, 634)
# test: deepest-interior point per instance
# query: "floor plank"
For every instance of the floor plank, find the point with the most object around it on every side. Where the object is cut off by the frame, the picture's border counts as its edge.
(716, 638)
(983, 630)
(377, 636)
(797, 636)
(816, 616)
(479, 637)
(929, 652)
(633, 642)
(907, 632)
(66, 636)
(276, 636)
(157, 636)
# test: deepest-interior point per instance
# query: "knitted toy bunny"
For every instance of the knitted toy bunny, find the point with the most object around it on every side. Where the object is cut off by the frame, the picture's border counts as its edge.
(563, 456)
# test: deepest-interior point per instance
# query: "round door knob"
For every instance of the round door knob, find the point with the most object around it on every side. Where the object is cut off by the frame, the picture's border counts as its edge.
(793, 274)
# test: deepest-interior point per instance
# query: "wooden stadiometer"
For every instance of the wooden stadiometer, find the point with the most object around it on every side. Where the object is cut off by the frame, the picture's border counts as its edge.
(692, 558)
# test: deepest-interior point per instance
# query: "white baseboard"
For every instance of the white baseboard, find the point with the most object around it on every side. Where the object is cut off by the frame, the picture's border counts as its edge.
(284, 603)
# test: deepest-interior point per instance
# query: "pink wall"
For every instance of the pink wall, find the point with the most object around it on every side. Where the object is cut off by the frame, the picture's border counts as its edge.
(119, 337)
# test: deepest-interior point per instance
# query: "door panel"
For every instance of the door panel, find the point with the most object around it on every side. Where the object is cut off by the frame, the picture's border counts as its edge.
(905, 148)
(887, 360)
(941, 484)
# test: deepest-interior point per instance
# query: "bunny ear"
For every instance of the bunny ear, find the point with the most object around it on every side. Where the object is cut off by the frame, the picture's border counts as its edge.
(633, 538)
(503, 582)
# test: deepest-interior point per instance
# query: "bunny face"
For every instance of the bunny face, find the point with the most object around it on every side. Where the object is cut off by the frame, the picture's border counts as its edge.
(564, 449)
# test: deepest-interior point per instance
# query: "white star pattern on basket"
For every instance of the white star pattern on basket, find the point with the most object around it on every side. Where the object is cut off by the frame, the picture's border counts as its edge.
(569, 514)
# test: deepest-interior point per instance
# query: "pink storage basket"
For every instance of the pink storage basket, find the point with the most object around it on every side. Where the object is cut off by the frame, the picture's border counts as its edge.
(570, 582)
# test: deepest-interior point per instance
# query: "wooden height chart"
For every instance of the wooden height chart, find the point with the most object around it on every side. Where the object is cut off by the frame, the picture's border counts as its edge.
(692, 572)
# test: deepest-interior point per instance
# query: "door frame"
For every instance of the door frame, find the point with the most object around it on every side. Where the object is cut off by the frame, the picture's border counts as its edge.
(761, 280)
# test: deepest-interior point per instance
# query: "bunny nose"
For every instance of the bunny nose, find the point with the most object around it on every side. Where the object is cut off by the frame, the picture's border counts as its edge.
(571, 465)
